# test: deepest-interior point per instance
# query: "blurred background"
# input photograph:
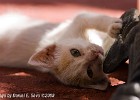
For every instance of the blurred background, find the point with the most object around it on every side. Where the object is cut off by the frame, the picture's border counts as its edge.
(59, 10)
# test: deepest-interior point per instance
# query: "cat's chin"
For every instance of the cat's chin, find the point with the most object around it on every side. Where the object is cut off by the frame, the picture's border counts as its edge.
(102, 86)
(99, 85)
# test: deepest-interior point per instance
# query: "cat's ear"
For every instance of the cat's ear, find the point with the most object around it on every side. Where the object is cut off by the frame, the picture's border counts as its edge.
(43, 58)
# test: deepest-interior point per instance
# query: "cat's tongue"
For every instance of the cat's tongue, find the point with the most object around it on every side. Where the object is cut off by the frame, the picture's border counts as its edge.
(115, 82)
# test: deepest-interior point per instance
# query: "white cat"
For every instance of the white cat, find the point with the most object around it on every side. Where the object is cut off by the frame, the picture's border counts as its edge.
(66, 51)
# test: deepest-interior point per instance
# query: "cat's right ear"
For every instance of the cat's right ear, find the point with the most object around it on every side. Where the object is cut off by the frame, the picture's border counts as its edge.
(43, 58)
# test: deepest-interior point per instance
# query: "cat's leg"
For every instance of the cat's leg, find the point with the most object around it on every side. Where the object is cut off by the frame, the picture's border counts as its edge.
(103, 23)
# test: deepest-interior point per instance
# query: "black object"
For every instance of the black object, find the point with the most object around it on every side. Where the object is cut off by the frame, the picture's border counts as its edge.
(131, 90)
(119, 51)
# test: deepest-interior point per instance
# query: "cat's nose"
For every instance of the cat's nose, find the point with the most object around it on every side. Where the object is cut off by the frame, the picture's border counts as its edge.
(98, 49)
(94, 54)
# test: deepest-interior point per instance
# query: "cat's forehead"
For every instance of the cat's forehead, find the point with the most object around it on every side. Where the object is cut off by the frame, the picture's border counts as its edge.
(78, 42)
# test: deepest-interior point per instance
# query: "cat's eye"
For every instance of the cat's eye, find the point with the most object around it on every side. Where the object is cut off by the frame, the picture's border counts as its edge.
(89, 72)
(75, 52)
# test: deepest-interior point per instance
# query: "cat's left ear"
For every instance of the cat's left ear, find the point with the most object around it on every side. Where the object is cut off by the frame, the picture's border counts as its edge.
(43, 58)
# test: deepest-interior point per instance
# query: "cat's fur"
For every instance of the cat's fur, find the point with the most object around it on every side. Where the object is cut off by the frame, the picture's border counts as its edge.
(65, 51)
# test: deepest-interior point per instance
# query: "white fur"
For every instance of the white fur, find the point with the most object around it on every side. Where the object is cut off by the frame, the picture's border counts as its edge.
(24, 40)
(17, 31)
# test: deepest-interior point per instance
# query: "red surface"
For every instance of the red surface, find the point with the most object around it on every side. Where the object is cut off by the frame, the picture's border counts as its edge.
(22, 81)
(57, 11)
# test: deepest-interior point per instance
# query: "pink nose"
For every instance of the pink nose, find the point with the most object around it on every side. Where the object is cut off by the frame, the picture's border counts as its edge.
(95, 54)
(99, 49)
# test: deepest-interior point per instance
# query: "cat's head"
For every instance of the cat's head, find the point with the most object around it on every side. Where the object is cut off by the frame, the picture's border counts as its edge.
(74, 62)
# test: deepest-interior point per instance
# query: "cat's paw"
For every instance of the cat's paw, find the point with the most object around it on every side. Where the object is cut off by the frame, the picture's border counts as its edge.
(115, 27)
